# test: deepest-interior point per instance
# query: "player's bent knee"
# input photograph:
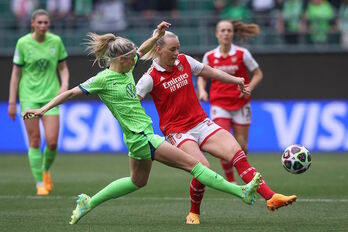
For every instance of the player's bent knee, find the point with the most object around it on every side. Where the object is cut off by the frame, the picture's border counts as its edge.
(52, 146)
(231, 150)
(140, 183)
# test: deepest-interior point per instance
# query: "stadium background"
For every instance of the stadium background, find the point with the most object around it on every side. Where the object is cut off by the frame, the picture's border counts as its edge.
(303, 99)
(307, 79)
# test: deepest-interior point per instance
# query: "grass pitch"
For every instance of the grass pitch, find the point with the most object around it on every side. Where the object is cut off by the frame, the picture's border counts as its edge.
(163, 204)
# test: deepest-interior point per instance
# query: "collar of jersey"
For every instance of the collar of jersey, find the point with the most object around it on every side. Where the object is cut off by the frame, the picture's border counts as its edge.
(31, 36)
(160, 68)
(232, 51)
(116, 73)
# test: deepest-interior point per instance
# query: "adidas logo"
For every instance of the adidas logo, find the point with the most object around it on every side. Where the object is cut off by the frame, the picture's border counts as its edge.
(162, 79)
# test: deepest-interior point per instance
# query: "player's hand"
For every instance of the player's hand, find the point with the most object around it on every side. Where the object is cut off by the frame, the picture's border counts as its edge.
(161, 29)
(203, 95)
(33, 113)
(240, 83)
(246, 92)
(12, 110)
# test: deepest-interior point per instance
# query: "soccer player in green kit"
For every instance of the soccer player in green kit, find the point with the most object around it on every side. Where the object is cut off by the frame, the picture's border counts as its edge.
(115, 87)
(37, 57)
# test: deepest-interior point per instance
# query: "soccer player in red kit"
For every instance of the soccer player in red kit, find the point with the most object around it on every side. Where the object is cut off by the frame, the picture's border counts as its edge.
(230, 108)
(185, 124)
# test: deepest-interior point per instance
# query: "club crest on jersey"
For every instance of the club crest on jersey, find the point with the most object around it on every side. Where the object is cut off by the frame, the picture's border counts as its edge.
(52, 51)
(180, 67)
(233, 59)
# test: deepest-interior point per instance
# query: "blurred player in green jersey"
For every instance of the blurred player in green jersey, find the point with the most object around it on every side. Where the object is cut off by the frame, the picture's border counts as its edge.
(116, 88)
(37, 57)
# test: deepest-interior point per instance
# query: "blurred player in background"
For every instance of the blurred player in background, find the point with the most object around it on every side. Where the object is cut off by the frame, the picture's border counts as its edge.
(34, 74)
(229, 107)
(115, 87)
(184, 122)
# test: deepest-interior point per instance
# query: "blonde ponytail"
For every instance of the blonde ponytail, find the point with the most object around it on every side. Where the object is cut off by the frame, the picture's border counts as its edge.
(108, 47)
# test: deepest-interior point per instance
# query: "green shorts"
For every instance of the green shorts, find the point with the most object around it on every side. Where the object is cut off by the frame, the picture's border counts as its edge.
(31, 105)
(142, 145)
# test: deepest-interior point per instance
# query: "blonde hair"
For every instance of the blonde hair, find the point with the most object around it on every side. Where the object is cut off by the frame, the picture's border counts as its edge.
(243, 30)
(39, 12)
(160, 42)
(36, 13)
(108, 47)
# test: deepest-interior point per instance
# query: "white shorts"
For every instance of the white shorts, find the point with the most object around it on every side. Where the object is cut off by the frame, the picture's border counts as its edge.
(241, 116)
(198, 134)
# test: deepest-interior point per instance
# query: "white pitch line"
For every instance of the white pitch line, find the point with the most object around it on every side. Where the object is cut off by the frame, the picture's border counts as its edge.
(32, 197)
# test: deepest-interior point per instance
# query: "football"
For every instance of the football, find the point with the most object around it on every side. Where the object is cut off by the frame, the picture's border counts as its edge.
(296, 159)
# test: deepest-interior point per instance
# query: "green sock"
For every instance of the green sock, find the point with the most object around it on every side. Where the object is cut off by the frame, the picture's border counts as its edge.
(48, 158)
(210, 178)
(115, 189)
(35, 161)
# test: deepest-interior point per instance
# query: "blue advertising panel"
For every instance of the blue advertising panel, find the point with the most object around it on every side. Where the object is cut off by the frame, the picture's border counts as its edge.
(90, 127)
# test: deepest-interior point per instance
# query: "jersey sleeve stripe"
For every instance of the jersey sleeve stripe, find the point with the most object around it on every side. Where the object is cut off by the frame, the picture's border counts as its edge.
(19, 65)
(83, 90)
(137, 54)
(61, 60)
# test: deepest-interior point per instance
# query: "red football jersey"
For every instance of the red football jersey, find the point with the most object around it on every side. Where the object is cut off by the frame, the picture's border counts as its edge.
(238, 62)
(174, 95)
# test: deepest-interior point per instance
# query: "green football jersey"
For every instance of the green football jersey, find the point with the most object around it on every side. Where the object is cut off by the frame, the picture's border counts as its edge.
(117, 91)
(38, 61)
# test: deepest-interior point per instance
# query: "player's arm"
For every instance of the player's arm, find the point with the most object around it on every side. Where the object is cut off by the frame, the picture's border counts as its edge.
(149, 43)
(15, 76)
(61, 98)
(209, 72)
(202, 84)
(256, 78)
(64, 76)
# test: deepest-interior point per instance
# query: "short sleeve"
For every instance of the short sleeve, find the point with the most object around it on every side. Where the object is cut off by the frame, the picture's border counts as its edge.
(92, 85)
(144, 85)
(62, 51)
(196, 66)
(18, 57)
(205, 59)
(249, 61)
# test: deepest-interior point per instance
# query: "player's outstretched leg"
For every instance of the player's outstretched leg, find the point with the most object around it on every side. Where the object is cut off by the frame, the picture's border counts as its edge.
(211, 179)
(279, 200)
(83, 206)
(249, 190)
